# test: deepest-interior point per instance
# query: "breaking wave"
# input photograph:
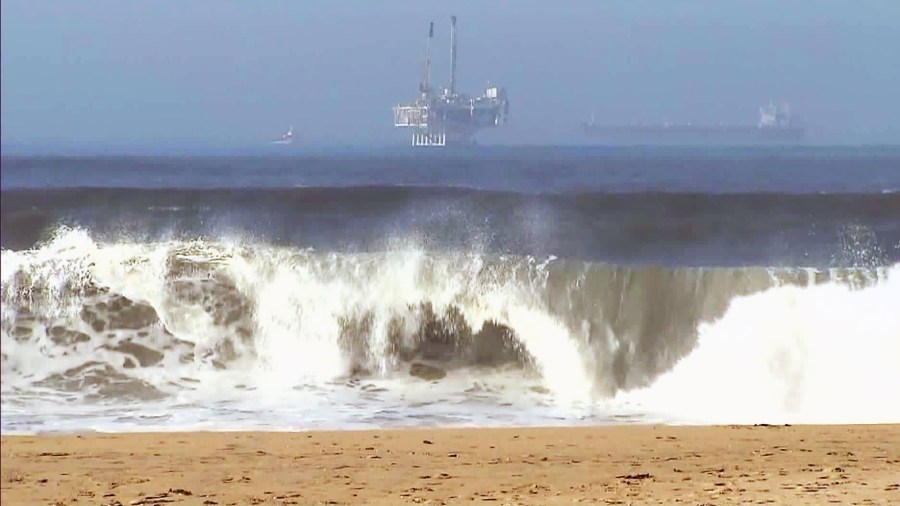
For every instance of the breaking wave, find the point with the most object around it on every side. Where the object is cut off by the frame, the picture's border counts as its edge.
(828, 353)
(685, 229)
(91, 321)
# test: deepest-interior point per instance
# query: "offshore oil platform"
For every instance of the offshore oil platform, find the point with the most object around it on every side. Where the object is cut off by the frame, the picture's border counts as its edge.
(446, 117)
(775, 125)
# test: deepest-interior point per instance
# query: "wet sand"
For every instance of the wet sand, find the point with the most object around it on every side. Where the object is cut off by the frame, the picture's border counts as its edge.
(598, 465)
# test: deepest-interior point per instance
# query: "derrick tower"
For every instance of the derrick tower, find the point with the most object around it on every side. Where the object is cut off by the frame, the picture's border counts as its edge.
(445, 117)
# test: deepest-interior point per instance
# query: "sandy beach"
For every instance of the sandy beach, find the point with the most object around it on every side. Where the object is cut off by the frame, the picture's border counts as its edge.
(596, 465)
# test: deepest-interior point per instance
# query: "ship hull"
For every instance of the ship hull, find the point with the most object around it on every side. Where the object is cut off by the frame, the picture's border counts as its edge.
(692, 134)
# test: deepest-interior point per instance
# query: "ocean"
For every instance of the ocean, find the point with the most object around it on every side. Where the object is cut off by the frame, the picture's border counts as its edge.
(479, 287)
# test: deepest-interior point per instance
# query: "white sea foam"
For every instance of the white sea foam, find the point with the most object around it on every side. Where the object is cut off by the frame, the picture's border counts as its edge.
(805, 352)
(790, 354)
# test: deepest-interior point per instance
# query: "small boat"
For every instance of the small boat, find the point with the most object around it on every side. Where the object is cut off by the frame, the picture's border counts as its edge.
(286, 138)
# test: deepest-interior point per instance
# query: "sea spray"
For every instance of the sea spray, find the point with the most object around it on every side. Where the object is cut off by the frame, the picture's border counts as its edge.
(229, 323)
(816, 354)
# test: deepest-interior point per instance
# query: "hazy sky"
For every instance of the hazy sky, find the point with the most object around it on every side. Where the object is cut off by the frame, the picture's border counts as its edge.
(219, 73)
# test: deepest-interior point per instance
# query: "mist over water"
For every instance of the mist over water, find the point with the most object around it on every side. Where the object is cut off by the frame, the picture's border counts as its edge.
(171, 85)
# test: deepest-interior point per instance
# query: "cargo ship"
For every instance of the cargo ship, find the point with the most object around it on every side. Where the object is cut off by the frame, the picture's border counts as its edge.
(775, 126)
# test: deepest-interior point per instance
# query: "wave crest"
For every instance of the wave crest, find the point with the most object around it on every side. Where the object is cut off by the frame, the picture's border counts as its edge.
(150, 320)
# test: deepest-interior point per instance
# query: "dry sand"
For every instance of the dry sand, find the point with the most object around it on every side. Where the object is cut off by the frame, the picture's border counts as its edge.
(598, 465)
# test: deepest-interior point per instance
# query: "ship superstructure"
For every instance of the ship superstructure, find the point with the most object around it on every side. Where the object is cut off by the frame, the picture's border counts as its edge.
(445, 117)
(775, 125)
(775, 116)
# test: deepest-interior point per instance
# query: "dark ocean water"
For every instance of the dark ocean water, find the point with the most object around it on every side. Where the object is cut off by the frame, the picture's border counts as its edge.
(739, 206)
(477, 287)
(525, 169)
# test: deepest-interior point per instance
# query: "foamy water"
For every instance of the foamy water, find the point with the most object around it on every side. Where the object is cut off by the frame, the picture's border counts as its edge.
(223, 335)
(814, 354)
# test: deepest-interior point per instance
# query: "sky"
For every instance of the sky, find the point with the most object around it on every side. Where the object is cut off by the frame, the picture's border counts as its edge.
(221, 73)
